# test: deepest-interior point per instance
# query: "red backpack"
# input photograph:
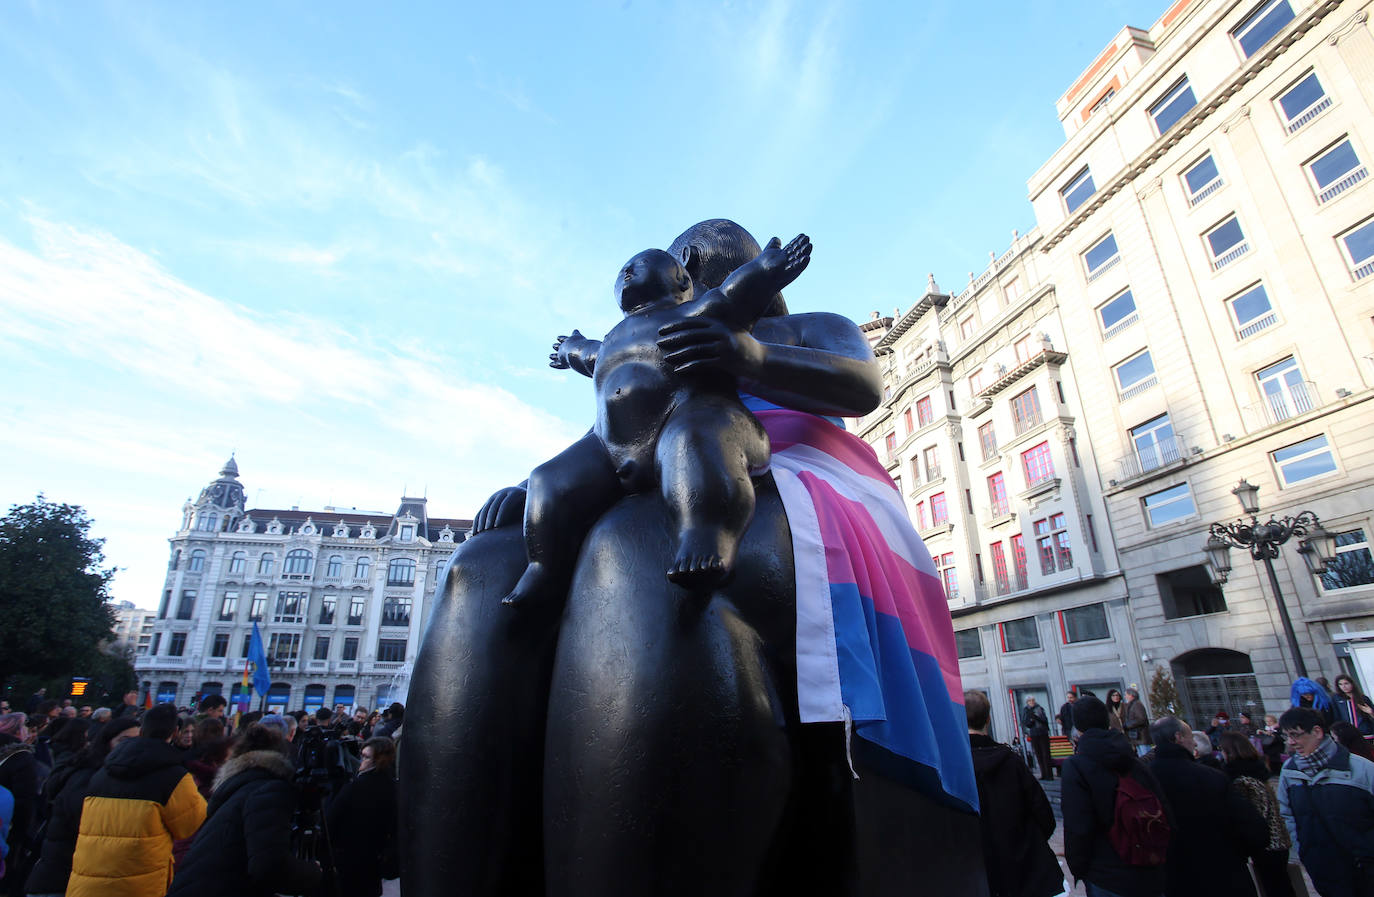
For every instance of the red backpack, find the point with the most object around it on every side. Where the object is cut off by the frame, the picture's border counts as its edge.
(1140, 831)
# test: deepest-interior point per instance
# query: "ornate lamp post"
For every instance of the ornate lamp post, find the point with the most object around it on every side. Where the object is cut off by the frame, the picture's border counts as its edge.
(1262, 540)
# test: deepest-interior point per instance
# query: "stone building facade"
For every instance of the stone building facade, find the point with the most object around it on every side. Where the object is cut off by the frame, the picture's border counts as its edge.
(340, 597)
(133, 628)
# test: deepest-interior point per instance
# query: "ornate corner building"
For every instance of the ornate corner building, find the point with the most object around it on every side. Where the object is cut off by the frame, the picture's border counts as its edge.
(339, 596)
(1194, 307)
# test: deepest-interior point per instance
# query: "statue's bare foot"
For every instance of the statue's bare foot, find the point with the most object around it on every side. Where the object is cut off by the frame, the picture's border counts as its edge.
(534, 585)
(705, 558)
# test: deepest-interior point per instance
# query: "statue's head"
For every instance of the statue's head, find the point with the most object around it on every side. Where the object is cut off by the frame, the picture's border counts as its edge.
(711, 249)
(652, 276)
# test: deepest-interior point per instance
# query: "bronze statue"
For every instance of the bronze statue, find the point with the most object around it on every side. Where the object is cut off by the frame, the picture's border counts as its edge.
(642, 738)
(689, 427)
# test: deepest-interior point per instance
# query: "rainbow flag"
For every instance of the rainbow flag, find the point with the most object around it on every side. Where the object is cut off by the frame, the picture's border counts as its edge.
(875, 644)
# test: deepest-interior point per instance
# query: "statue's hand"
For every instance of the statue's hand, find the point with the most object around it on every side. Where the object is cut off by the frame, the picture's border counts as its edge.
(705, 343)
(504, 508)
(564, 348)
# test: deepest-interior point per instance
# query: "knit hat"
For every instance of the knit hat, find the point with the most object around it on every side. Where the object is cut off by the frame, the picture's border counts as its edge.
(12, 724)
(1222, 714)
(1089, 713)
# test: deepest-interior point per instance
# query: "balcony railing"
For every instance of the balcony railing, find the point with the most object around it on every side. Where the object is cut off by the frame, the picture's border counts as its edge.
(1343, 184)
(1121, 325)
(1364, 271)
(1257, 325)
(1103, 268)
(1231, 255)
(1206, 191)
(1136, 389)
(1295, 399)
(1161, 454)
(1312, 112)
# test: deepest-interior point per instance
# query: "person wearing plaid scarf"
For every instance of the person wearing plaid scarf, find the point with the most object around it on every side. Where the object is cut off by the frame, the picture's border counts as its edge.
(1326, 798)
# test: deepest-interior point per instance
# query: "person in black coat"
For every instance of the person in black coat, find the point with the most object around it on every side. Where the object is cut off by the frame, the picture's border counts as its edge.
(244, 847)
(1215, 829)
(1036, 724)
(1014, 813)
(361, 822)
(1088, 800)
(66, 788)
(20, 772)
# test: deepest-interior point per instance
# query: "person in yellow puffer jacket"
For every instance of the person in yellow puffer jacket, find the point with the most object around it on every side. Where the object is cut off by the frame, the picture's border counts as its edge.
(140, 801)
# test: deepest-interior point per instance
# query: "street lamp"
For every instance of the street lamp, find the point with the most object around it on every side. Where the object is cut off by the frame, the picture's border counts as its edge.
(1316, 545)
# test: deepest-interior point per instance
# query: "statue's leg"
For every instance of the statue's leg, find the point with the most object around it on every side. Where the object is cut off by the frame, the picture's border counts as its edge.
(704, 456)
(668, 760)
(472, 753)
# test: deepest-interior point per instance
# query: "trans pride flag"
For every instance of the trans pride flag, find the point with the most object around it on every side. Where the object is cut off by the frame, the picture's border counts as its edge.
(874, 640)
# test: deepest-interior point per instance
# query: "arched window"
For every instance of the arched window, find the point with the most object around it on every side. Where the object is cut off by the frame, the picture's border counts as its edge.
(297, 563)
(197, 562)
(343, 694)
(212, 523)
(401, 572)
(238, 562)
(335, 568)
(211, 688)
(363, 568)
(314, 698)
(166, 693)
(265, 564)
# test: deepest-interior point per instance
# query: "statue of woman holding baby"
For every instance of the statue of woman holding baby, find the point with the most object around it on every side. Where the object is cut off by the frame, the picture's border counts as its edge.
(796, 729)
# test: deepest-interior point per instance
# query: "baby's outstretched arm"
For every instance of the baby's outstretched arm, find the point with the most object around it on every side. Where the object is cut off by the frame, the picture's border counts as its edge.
(750, 288)
(577, 352)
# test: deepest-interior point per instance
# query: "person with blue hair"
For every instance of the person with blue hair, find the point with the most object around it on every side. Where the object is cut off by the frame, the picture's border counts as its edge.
(1307, 693)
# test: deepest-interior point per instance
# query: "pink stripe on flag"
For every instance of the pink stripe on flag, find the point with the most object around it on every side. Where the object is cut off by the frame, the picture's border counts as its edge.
(789, 428)
(857, 552)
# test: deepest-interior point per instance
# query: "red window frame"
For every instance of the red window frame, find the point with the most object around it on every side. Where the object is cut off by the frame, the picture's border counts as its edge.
(939, 510)
(997, 494)
(1037, 464)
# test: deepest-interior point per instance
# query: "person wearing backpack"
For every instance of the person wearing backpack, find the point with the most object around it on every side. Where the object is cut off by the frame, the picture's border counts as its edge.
(1116, 822)
(1215, 829)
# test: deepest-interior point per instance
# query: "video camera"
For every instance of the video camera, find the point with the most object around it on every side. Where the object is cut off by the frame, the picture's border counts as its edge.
(325, 761)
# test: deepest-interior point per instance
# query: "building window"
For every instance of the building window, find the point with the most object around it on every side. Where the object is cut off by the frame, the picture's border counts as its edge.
(1169, 505)
(1189, 592)
(1170, 108)
(1077, 190)
(1303, 102)
(355, 611)
(1202, 179)
(350, 649)
(363, 568)
(1052, 542)
(1037, 464)
(1154, 443)
(328, 605)
(396, 612)
(1084, 624)
(997, 494)
(176, 647)
(400, 572)
(966, 329)
(321, 647)
(291, 607)
(284, 649)
(1101, 256)
(1135, 375)
(1018, 559)
(1019, 635)
(931, 457)
(922, 519)
(157, 638)
(228, 604)
(197, 562)
(999, 568)
(1117, 313)
(1251, 311)
(1102, 102)
(391, 650)
(258, 608)
(1354, 566)
(967, 644)
(220, 647)
(297, 563)
(335, 568)
(238, 563)
(924, 413)
(1358, 246)
(987, 440)
(1336, 170)
(1304, 460)
(265, 565)
(1025, 411)
(889, 446)
(949, 577)
(247, 643)
(1012, 290)
(907, 421)
(407, 533)
(1226, 242)
(1258, 28)
(975, 382)
(1285, 392)
(939, 510)
(187, 605)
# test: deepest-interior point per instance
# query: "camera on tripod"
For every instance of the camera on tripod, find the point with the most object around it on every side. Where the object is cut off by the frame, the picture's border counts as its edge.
(325, 761)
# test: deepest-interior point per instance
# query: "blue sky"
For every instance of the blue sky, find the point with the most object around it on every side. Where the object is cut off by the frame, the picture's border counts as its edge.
(338, 239)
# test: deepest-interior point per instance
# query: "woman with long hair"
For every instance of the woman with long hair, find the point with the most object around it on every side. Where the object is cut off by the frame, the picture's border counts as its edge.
(361, 822)
(1249, 773)
(1351, 706)
(1114, 711)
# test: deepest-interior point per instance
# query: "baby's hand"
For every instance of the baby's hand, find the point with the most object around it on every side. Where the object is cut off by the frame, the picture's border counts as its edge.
(786, 263)
(564, 347)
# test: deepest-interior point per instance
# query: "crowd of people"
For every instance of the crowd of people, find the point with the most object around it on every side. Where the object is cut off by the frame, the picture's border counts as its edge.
(134, 802)
(1154, 808)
